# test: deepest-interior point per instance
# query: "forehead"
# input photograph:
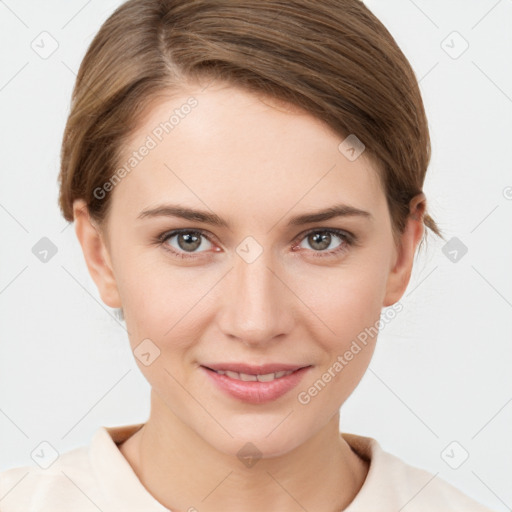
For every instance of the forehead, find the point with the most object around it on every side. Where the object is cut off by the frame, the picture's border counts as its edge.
(228, 149)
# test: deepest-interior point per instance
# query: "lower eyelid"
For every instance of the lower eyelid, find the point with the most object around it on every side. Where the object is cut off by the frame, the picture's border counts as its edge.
(168, 236)
(347, 240)
(346, 243)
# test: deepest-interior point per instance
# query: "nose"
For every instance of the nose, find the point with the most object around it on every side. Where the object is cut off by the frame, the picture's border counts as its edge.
(256, 306)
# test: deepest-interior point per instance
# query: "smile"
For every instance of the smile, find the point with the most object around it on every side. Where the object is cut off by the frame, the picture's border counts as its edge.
(255, 388)
(267, 377)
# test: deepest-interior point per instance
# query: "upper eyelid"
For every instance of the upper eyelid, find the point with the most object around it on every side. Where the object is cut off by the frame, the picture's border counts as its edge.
(212, 238)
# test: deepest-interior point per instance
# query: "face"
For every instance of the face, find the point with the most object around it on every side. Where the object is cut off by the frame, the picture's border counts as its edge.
(260, 285)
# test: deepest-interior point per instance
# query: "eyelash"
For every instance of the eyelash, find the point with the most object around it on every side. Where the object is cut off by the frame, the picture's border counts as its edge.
(348, 239)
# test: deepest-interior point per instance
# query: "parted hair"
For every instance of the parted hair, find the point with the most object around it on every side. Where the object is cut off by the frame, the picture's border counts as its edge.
(332, 58)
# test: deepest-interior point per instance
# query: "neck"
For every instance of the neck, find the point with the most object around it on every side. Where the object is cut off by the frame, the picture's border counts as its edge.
(184, 472)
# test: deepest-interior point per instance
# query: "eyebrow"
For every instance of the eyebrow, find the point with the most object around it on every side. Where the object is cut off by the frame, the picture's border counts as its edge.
(169, 210)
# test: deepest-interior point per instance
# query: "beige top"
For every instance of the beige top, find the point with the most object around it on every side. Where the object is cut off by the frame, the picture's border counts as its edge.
(98, 478)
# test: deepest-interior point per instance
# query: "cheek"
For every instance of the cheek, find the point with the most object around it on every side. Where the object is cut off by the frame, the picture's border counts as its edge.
(148, 288)
(351, 309)
(349, 305)
(165, 304)
(344, 300)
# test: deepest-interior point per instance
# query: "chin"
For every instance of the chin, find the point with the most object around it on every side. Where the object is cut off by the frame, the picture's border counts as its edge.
(267, 437)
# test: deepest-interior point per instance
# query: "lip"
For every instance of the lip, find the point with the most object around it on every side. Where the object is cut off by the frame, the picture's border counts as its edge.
(261, 369)
(256, 392)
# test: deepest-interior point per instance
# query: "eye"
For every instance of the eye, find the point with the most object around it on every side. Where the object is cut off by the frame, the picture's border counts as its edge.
(322, 239)
(186, 243)
(181, 242)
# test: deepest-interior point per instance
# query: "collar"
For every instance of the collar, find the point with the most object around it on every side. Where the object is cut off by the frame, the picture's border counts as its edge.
(124, 489)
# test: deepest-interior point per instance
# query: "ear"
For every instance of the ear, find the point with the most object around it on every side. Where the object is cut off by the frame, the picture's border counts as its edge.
(400, 274)
(96, 254)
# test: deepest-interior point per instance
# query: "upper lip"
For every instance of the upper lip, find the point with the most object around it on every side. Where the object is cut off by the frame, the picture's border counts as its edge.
(262, 369)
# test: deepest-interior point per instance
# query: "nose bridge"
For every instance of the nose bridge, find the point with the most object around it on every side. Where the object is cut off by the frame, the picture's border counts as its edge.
(255, 308)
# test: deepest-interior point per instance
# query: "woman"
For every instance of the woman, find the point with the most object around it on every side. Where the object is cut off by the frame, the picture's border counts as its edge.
(286, 145)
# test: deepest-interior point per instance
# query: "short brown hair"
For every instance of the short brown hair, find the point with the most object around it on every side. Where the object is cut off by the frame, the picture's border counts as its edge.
(332, 58)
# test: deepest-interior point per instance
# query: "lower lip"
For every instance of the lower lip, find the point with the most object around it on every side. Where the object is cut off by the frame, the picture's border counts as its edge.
(256, 392)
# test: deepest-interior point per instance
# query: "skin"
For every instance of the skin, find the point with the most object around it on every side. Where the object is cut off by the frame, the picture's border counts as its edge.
(256, 163)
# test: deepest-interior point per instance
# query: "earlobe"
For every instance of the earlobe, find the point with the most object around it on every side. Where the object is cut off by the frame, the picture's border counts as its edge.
(96, 254)
(400, 273)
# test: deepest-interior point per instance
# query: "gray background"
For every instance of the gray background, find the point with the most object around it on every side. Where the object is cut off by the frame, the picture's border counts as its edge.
(441, 371)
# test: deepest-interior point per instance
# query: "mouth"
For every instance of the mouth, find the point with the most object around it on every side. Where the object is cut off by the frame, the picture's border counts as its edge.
(255, 384)
(254, 369)
(247, 377)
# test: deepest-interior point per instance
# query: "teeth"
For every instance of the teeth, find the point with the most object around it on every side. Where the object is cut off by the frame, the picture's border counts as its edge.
(267, 377)
(253, 378)
(246, 377)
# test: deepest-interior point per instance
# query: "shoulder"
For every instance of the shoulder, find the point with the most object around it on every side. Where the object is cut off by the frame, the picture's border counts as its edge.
(86, 479)
(68, 482)
(392, 484)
